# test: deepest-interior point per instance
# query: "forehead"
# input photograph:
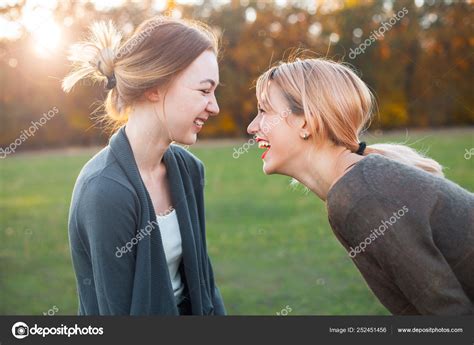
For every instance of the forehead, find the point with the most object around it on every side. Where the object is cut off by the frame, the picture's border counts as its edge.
(272, 97)
(203, 67)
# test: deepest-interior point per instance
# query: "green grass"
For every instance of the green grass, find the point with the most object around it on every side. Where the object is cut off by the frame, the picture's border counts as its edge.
(271, 246)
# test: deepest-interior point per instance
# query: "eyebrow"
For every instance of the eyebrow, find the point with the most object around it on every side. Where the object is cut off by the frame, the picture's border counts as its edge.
(264, 105)
(212, 82)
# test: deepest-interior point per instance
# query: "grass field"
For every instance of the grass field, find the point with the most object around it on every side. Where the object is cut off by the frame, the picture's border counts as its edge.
(271, 245)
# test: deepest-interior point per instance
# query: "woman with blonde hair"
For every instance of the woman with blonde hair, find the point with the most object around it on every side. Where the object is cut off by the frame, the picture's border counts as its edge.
(408, 229)
(136, 221)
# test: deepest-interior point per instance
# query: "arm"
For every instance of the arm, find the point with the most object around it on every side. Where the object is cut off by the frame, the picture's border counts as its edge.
(408, 256)
(106, 218)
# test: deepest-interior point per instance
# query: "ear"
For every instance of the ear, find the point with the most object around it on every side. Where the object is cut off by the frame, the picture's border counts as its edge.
(302, 126)
(152, 95)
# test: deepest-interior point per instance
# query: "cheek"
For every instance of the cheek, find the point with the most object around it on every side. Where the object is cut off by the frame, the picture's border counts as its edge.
(185, 112)
(278, 132)
(268, 126)
(285, 143)
(192, 107)
(185, 103)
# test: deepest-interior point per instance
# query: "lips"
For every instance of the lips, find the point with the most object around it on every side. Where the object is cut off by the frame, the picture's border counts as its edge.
(263, 144)
(199, 121)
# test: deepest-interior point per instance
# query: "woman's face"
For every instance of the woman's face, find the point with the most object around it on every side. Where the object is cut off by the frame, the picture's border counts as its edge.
(190, 100)
(277, 131)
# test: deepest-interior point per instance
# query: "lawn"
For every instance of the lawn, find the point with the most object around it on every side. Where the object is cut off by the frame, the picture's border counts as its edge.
(271, 244)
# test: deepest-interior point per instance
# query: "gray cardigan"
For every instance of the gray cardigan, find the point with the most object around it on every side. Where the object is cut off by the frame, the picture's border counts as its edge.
(410, 233)
(116, 246)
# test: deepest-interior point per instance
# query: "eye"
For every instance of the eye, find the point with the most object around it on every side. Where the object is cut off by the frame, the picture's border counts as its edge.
(206, 92)
(261, 111)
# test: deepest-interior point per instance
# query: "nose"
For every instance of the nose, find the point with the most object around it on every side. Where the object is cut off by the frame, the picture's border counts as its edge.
(254, 126)
(212, 107)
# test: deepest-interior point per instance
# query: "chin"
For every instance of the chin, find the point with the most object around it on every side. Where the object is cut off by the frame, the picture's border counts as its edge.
(187, 140)
(267, 169)
(274, 166)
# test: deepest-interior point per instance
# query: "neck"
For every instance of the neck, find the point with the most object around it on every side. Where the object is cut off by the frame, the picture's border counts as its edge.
(148, 140)
(319, 169)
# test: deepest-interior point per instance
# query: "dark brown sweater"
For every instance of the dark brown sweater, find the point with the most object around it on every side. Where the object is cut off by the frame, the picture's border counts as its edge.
(410, 234)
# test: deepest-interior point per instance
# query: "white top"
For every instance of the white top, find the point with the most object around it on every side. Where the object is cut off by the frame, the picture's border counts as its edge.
(171, 238)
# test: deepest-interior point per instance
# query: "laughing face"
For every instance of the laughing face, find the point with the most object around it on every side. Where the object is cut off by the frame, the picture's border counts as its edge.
(190, 100)
(277, 131)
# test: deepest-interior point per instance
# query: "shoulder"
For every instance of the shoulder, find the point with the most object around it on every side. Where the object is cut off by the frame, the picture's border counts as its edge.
(104, 187)
(392, 180)
(388, 180)
(377, 186)
(383, 178)
(101, 183)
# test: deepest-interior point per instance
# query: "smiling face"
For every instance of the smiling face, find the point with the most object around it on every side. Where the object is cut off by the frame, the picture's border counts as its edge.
(277, 131)
(190, 100)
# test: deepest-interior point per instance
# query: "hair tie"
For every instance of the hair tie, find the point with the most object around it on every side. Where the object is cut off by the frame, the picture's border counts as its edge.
(111, 82)
(272, 73)
(362, 146)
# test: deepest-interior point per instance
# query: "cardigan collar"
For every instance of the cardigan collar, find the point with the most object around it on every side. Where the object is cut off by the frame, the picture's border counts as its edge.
(152, 294)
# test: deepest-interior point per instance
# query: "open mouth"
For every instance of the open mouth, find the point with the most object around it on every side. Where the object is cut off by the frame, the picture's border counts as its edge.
(199, 122)
(263, 144)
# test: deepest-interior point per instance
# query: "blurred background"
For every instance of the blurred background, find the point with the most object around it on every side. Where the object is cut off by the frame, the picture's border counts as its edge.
(271, 244)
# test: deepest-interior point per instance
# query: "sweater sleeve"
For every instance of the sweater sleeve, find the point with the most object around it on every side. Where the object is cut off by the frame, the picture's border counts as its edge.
(406, 252)
(107, 223)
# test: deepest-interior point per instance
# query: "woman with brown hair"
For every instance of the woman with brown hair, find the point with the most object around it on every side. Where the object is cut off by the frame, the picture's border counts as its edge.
(137, 221)
(408, 229)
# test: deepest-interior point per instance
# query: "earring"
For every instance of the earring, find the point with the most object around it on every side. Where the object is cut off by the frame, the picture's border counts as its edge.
(305, 136)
